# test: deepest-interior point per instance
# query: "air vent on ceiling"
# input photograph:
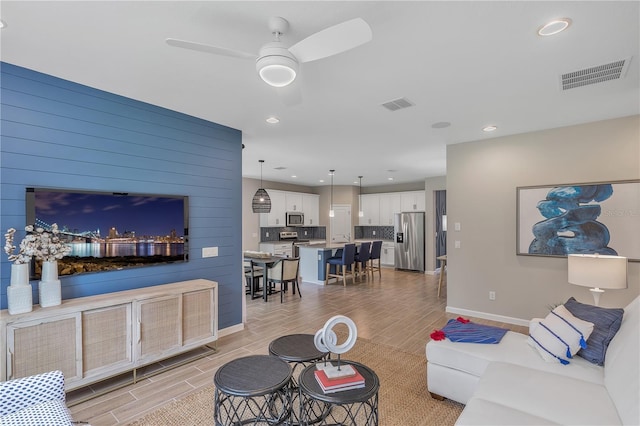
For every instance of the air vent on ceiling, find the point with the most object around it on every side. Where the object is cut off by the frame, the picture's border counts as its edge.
(279, 168)
(593, 75)
(397, 104)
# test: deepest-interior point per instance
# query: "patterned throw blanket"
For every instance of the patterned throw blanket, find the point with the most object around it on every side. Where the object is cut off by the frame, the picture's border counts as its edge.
(463, 330)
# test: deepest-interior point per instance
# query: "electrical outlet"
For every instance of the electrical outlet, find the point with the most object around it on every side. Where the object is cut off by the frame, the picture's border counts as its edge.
(266, 234)
(492, 295)
(456, 226)
(456, 244)
(374, 233)
(305, 233)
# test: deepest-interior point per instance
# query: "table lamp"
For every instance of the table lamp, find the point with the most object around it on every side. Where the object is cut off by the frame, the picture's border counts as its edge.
(597, 271)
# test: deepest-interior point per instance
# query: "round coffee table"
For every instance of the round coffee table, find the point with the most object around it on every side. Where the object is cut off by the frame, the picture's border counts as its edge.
(253, 389)
(298, 350)
(350, 407)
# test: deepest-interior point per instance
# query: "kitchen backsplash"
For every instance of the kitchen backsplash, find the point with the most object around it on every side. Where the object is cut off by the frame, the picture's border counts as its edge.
(367, 232)
(304, 232)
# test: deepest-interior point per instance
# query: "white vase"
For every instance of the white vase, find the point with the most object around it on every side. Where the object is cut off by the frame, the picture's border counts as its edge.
(19, 295)
(49, 288)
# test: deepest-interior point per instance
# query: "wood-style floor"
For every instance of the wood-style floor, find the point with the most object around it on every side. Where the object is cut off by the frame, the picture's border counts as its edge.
(401, 309)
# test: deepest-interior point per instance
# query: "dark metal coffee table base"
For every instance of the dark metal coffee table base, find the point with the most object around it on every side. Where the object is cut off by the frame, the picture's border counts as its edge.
(253, 390)
(356, 407)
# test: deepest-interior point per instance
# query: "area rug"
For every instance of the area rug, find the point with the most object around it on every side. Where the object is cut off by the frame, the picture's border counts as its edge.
(403, 395)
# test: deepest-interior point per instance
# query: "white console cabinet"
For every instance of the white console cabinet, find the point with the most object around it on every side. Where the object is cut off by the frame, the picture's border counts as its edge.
(96, 337)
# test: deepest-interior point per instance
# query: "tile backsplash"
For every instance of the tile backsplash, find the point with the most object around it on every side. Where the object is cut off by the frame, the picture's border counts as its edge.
(304, 232)
(367, 232)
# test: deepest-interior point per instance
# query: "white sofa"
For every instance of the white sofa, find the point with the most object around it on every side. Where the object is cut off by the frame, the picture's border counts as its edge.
(509, 383)
(34, 400)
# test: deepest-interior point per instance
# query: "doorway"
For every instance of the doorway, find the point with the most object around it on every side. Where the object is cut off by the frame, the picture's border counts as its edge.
(340, 224)
(441, 223)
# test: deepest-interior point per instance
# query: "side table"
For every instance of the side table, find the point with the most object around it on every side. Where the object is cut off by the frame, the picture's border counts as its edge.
(299, 351)
(357, 407)
(252, 390)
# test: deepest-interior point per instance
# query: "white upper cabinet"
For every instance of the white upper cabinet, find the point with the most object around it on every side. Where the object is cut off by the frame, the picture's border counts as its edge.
(371, 210)
(278, 209)
(285, 201)
(389, 205)
(311, 209)
(293, 201)
(412, 201)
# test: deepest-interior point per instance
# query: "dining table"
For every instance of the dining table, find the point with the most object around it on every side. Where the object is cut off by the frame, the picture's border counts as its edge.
(265, 262)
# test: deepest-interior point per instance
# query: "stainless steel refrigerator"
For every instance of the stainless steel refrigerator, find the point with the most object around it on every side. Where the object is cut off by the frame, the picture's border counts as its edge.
(409, 238)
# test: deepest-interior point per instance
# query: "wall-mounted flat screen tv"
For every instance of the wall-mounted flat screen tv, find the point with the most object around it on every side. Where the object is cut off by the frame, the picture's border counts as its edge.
(111, 230)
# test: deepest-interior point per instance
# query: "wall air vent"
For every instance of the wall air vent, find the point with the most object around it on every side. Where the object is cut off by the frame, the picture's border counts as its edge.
(397, 104)
(279, 168)
(594, 75)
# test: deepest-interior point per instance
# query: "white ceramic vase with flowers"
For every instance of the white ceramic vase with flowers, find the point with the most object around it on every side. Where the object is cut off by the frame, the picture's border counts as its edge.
(49, 249)
(19, 293)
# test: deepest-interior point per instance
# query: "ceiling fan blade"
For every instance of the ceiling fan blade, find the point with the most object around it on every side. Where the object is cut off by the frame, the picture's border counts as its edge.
(333, 40)
(209, 49)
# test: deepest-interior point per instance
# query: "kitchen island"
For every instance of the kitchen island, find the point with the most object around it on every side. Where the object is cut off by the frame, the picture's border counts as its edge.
(313, 260)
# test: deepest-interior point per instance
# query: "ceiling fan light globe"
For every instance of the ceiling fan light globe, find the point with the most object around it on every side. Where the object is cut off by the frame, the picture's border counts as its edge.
(277, 71)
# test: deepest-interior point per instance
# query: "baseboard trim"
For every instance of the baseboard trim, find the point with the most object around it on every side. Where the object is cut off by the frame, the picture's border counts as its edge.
(230, 330)
(488, 316)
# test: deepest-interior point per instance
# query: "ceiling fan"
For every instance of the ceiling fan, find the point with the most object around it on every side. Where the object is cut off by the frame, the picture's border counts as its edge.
(277, 64)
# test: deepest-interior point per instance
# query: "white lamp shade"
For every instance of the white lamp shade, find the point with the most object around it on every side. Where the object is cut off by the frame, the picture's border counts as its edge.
(593, 270)
(276, 65)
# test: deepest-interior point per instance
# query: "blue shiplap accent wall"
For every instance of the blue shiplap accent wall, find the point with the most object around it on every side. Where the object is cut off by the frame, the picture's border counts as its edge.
(60, 134)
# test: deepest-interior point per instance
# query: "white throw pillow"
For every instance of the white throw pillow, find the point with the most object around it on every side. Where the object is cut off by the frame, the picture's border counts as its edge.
(560, 335)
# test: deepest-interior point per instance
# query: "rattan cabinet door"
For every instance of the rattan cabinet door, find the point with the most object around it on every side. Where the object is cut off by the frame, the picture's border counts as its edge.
(159, 327)
(198, 316)
(44, 345)
(106, 339)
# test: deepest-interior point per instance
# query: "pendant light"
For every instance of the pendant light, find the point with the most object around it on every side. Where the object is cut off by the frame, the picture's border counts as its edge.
(331, 212)
(261, 202)
(360, 211)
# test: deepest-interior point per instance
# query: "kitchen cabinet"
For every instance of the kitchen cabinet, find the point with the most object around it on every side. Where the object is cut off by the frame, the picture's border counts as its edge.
(97, 337)
(311, 209)
(387, 254)
(278, 210)
(278, 248)
(371, 210)
(286, 201)
(412, 201)
(389, 205)
(293, 201)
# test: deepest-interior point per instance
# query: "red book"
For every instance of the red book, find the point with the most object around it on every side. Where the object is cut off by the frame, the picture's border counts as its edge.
(343, 383)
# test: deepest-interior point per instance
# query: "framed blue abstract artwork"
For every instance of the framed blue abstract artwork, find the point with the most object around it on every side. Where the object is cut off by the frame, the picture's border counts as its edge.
(558, 220)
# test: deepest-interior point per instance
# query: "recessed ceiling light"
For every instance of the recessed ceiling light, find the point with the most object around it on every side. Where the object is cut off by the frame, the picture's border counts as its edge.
(321, 180)
(554, 27)
(2, 24)
(273, 120)
(389, 178)
(294, 176)
(489, 128)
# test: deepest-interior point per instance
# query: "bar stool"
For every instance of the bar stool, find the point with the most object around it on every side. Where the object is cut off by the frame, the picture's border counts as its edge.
(374, 262)
(362, 259)
(345, 264)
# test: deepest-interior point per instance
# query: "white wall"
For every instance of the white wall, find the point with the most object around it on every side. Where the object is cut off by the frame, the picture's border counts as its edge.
(481, 184)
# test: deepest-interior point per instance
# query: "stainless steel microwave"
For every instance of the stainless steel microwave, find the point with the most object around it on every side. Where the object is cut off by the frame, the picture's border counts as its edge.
(295, 219)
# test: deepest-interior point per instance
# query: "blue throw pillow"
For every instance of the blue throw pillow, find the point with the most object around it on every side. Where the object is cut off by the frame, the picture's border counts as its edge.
(606, 324)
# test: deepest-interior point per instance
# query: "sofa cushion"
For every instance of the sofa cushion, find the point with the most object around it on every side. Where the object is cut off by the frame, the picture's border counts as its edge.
(482, 412)
(606, 324)
(560, 335)
(52, 412)
(550, 396)
(473, 359)
(622, 368)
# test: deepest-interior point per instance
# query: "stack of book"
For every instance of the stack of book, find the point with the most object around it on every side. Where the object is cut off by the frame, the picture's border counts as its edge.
(330, 384)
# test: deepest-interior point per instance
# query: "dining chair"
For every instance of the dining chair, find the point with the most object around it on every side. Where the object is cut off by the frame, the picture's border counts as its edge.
(252, 275)
(284, 272)
(374, 262)
(362, 260)
(345, 264)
